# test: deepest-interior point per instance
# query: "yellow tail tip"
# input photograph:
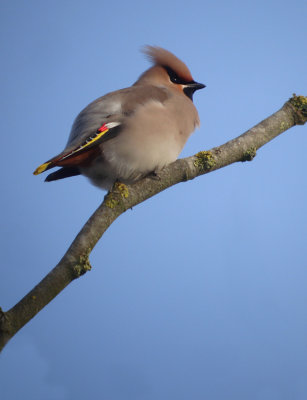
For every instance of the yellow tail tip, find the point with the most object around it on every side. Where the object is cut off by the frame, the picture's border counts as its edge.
(41, 168)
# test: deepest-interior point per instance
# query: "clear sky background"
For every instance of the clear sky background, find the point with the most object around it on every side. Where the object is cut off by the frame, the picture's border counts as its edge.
(200, 292)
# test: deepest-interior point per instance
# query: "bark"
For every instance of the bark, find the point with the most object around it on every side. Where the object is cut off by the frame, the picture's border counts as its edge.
(76, 260)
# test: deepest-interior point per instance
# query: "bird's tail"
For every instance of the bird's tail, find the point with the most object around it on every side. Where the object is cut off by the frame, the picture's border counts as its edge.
(62, 173)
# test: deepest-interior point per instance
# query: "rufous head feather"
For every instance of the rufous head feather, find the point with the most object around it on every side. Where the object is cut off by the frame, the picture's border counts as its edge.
(165, 58)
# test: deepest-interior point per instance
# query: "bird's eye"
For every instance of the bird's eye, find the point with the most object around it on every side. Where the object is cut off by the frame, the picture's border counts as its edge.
(173, 76)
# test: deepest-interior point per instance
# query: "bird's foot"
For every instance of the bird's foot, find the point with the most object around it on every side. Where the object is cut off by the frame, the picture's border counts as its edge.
(154, 175)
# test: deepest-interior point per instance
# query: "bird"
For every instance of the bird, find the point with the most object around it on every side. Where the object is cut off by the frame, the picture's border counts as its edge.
(133, 132)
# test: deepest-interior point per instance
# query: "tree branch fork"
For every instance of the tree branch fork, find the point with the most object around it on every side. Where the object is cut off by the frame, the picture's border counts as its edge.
(75, 262)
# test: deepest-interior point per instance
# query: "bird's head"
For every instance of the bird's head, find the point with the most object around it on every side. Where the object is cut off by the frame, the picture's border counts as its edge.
(168, 70)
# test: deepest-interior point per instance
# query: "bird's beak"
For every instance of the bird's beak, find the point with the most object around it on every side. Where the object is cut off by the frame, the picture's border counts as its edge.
(195, 86)
(190, 88)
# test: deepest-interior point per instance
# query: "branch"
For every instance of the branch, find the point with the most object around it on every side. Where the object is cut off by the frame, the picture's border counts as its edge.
(76, 260)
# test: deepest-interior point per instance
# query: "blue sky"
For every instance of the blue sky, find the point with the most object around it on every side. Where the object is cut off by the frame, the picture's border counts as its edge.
(201, 291)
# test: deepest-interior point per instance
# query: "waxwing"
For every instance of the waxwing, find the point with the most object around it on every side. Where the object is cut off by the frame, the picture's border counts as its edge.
(130, 133)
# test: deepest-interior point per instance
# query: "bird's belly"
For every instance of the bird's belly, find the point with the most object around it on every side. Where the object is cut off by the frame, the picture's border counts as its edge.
(151, 139)
(133, 159)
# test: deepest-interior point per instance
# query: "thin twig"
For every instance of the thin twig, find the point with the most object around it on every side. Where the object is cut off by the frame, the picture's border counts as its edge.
(76, 262)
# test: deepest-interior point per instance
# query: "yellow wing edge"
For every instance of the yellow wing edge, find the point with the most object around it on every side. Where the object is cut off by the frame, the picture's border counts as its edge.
(101, 131)
(41, 168)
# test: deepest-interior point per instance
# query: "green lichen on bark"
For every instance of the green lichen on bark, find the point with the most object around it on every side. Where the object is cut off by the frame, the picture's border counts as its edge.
(110, 201)
(300, 104)
(122, 189)
(284, 126)
(82, 267)
(249, 154)
(204, 160)
(118, 192)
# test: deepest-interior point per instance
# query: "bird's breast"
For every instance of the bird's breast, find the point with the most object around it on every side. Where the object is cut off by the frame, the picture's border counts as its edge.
(150, 139)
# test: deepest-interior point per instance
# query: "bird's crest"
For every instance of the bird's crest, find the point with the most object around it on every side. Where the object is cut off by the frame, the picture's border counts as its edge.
(165, 58)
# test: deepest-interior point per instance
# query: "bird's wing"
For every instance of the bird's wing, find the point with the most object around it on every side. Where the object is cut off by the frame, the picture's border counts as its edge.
(101, 120)
(81, 152)
(114, 107)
